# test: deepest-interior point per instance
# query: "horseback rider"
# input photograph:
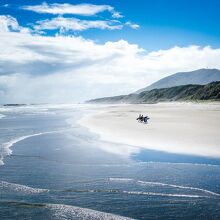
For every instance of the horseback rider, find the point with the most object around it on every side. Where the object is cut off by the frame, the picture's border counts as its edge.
(141, 118)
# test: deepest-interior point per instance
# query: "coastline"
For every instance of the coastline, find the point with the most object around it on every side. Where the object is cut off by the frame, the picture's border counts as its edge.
(181, 128)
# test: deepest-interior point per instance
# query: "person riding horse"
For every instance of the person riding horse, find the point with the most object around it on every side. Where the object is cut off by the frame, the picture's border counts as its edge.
(141, 118)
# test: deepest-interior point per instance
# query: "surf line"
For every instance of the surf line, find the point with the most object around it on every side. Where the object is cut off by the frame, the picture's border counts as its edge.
(21, 188)
(2, 116)
(144, 183)
(6, 147)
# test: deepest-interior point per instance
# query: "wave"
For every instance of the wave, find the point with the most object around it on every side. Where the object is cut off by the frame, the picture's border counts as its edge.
(14, 187)
(114, 191)
(121, 179)
(163, 194)
(176, 163)
(30, 190)
(24, 109)
(63, 212)
(1, 161)
(67, 211)
(93, 190)
(2, 116)
(163, 184)
(179, 186)
(5, 148)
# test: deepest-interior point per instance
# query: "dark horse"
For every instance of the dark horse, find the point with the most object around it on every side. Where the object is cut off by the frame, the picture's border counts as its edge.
(143, 119)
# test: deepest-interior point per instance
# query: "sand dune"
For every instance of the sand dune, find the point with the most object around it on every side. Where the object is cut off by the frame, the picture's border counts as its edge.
(173, 127)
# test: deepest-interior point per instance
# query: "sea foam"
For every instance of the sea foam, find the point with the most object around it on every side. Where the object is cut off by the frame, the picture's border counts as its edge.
(74, 212)
(5, 149)
(64, 212)
(2, 116)
(162, 194)
(14, 187)
(145, 183)
(178, 186)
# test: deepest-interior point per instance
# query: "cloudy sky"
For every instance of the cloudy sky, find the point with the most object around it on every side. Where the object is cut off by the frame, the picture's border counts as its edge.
(70, 51)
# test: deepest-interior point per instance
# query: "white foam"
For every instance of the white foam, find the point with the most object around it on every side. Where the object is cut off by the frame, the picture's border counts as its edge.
(20, 188)
(24, 109)
(137, 193)
(2, 116)
(38, 109)
(164, 184)
(5, 148)
(120, 179)
(63, 212)
(173, 163)
(179, 186)
(69, 212)
(162, 194)
(1, 161)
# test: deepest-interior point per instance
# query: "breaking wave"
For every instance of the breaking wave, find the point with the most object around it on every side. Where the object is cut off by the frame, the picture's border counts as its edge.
(5, 147)
(179, 186)
(162, 194)
(118, 179)
(163, 184)
(116, 191)
(67, 211)
(14, 187)
(2, 116)
(175, 163)
(63, 212)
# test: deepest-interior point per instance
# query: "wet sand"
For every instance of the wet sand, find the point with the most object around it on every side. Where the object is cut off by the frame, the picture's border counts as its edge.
(184, 128)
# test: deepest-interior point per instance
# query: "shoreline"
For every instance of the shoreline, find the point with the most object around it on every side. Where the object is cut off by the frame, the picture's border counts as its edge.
(180, 128)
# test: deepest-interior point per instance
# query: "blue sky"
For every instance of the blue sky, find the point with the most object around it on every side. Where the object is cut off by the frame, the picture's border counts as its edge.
(70, 51)
(171, 22)
(163, 24)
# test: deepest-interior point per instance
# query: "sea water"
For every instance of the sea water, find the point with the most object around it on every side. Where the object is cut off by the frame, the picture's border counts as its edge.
(52, 168)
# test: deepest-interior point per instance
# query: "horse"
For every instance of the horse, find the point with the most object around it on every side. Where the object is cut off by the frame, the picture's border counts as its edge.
(143, 119)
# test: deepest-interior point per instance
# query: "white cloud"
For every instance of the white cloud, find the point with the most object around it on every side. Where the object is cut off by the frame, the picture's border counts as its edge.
(132, 25)
(74, 24)
(9, 23)
(77, 9)
(117, 14)
(36, 68)
(77, 24)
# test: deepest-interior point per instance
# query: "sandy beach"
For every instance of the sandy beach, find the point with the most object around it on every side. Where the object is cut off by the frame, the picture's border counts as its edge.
(183, 128)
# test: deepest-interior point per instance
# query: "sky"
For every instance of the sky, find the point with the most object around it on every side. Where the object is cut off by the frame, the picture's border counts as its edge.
(71, 51)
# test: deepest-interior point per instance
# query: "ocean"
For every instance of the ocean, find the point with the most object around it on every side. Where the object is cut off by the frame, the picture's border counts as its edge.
(52, 168)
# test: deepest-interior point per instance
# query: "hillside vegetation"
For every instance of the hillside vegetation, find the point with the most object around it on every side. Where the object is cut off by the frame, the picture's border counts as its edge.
(196, 77)
(210, 92)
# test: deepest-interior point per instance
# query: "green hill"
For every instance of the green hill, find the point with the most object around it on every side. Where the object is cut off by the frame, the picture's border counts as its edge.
(210, 92)
(196, 77)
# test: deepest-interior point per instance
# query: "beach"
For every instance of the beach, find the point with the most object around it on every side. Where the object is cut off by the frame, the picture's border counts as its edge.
(53, 168)
(181, 128)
